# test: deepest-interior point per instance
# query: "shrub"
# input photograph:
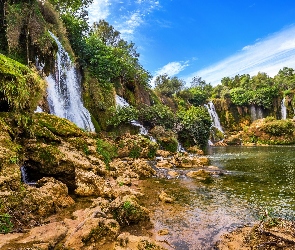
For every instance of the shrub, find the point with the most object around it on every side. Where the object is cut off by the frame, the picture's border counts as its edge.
(20, 87)
(194, 126)
(157, 115)
(279, 127)
(5, 223)
(123, 115)
(106, 150)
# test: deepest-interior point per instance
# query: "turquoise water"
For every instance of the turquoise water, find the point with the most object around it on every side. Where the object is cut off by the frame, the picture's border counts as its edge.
(255, 179)
(264, 177)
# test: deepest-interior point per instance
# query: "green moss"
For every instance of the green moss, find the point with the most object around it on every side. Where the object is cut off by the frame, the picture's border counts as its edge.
(58, 126)
(106, 150)
(49, 154)
(98, 98)
(135, 151)
(20, 87)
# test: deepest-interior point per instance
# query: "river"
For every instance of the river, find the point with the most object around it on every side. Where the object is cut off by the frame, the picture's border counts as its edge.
(256, 179)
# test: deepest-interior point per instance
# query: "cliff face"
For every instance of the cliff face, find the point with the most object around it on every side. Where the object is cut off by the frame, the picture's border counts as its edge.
(234, 118)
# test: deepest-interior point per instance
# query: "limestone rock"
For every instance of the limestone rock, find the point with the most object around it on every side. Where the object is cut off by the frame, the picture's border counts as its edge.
(200, 174)
(165, 197)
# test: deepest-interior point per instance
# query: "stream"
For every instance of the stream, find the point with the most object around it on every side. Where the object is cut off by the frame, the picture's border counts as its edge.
(258, 178)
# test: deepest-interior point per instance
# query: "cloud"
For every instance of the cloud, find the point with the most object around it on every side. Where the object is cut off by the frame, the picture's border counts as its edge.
(125, 16)
(268, 55)
(99, 9)
(171, 69)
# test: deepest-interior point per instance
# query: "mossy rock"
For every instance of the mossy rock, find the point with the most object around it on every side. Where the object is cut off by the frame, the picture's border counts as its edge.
(20, 87)
(58, 126)
(166, 139)
(136, 146)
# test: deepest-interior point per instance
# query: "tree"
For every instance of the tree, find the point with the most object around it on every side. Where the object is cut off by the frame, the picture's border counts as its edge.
(106, 32)
(285, 79)
(168, 86)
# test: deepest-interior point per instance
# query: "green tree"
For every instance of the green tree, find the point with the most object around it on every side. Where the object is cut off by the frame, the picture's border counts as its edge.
(194, 126)
(168, 86)
(285, 79)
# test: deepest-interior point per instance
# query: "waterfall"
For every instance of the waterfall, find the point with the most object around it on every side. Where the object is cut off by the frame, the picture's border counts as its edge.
(121, 102)
(214, 116)
(25, 176)
(256, 113)
(64, 91)
(283, 109)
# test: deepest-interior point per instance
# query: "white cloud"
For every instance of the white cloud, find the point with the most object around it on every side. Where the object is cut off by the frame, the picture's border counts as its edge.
(99, 9)
(125, 17)
(171, 69)
(268, 55)
(127, 28)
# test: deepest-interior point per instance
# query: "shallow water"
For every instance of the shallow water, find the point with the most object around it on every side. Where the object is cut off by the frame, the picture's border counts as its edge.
(258, 178)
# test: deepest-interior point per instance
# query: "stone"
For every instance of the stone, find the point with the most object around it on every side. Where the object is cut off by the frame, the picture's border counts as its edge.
(165, 197)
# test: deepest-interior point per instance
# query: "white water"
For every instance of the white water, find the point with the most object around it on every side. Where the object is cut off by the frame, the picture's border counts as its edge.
(25, 177)
(64, 92)
(256, 113)
(121, 102)
(214, 116)
(283, 110)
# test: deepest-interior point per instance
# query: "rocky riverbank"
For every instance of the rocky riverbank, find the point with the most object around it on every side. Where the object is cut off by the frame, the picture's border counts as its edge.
(63, 164)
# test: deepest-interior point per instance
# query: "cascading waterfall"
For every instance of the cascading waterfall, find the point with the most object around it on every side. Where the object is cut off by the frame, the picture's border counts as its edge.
(214, 116)
(256, 113)
(283, 109)
(64, 92)
(121, 102)
(25, 176)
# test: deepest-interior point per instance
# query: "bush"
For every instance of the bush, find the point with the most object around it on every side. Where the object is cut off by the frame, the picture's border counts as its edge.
(106, 150)
(5, 223)
(194, 126)
(20, 87)
(279, 127)
(157, 115)
(123, 115)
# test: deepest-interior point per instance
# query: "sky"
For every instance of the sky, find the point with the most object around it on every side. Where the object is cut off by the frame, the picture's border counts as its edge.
(211, 39)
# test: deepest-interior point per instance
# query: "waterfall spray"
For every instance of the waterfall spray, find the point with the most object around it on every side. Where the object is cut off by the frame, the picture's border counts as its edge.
(214, 116)
(64, 91)
(283, 109)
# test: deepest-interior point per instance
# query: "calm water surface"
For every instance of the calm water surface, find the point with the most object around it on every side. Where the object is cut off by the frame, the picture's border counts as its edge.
(257, 178)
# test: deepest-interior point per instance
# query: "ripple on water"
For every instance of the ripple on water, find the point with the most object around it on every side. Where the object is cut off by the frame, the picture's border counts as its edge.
(260, 178)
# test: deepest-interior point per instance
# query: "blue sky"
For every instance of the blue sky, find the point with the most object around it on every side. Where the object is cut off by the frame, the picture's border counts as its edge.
(209, 38)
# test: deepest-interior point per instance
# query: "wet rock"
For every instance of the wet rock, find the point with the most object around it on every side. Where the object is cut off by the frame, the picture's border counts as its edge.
(127, 241)
(126, 211)
(163, 232)
(163, 153)
(195, 150)
(200, 174)
(47, 197)
(136, 146)
(50, 234)
(88, 183)
(173, 174)
(164, 164)
(165, 197)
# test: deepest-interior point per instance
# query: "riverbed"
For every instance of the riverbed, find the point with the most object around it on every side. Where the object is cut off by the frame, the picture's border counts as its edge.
(256, 179)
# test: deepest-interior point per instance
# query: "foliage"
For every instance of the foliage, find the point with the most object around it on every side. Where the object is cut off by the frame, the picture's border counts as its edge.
(157, 115)
(240, 96)
(194, 126)
(168, 86)
(122, 115)
(278, 127)
(166, 139)
(5, 223)
(106, 150)
(20, 87)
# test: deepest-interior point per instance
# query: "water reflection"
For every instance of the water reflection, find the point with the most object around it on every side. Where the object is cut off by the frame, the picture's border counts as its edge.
(260, 178)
